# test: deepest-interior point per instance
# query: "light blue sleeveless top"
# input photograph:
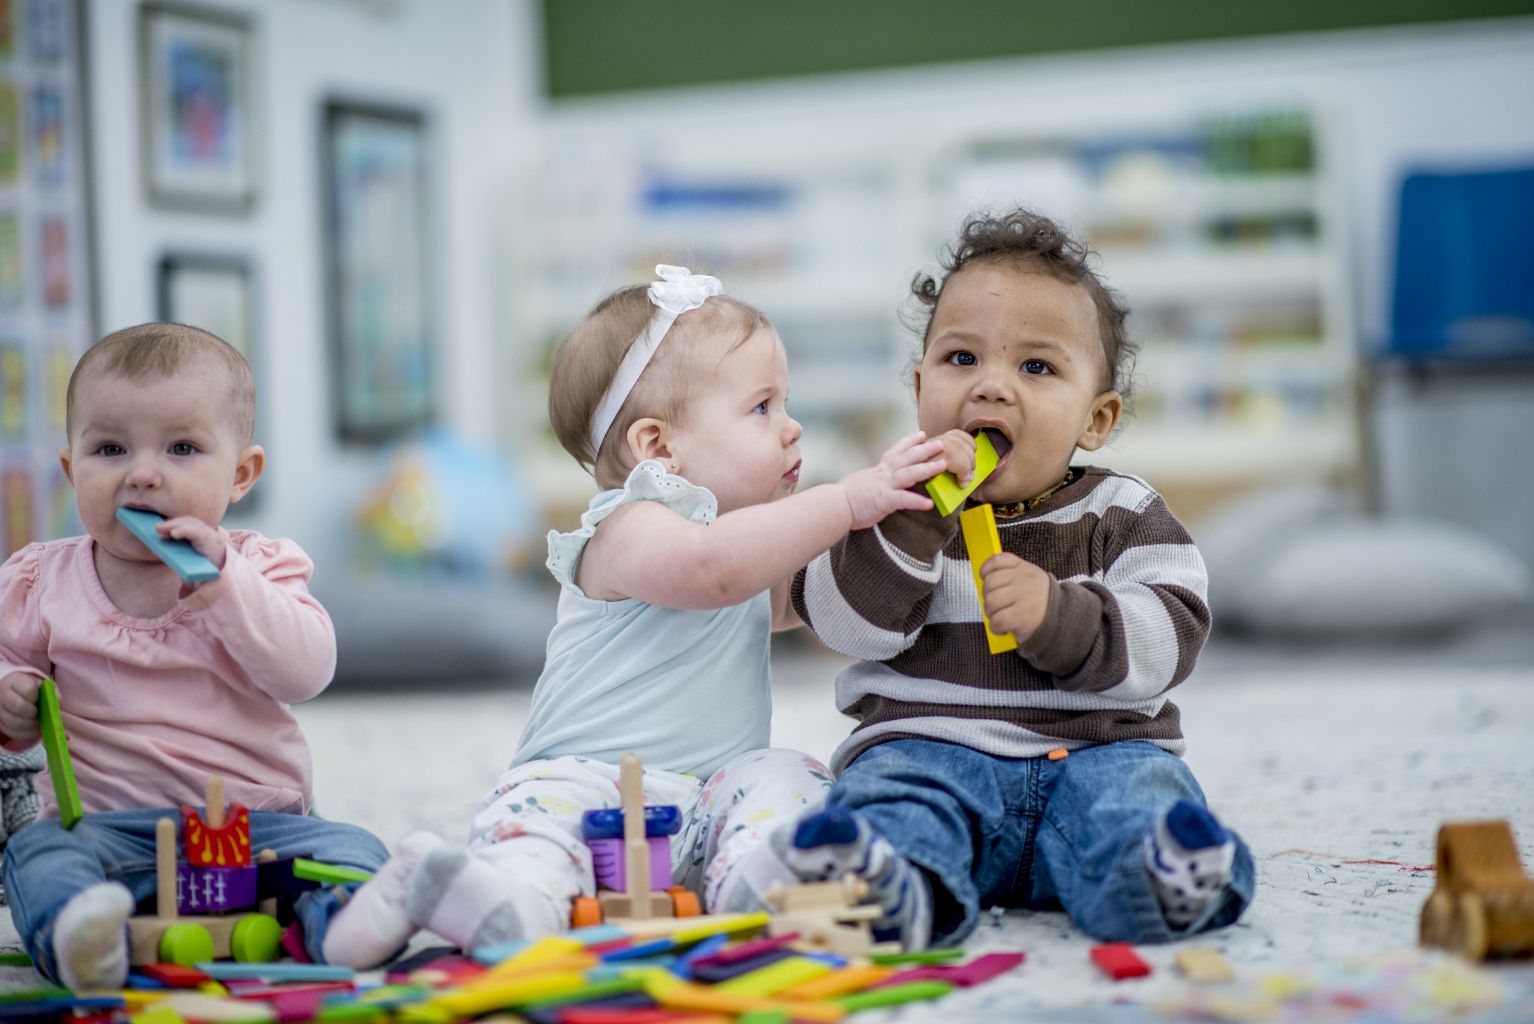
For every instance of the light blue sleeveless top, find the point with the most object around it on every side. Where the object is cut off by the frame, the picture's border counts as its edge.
(685, 690)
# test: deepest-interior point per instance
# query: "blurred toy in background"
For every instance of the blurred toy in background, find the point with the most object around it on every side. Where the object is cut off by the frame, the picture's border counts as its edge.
(1483, 902)
(445, 507)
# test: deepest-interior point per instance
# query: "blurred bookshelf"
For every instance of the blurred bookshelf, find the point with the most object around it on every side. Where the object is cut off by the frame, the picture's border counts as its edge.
(1222, 233)
(1220, 229)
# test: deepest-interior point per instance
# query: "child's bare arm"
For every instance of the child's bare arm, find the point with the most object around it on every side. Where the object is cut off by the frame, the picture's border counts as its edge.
(868, 595)
(645, 551)
(783, 615)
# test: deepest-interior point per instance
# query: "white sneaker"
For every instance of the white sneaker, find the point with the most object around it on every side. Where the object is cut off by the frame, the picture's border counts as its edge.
(375, 923)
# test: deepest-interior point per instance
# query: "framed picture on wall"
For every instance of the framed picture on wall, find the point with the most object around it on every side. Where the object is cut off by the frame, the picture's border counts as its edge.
(211, 291)
(217, 292)
(378, 239)
(198, 128)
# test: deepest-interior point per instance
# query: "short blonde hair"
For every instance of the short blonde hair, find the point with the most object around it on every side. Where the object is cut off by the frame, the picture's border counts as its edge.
(160, 350)
(587, 359)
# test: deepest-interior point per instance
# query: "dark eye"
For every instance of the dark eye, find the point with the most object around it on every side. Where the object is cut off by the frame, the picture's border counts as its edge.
(183, 448)
(110, 450)
(1036, 366)
(962, 358)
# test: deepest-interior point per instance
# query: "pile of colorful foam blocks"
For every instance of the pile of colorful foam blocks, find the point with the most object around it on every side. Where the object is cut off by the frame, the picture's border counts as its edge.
(701, 970)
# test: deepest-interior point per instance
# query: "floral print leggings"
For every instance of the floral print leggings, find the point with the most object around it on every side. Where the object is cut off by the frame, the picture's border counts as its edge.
(530, 825)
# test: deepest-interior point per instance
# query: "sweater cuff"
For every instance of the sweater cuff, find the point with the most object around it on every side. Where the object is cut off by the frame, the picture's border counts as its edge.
(921, 536)
(1070, 627)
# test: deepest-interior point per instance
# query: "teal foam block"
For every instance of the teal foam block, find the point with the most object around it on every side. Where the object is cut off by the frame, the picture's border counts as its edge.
(178, 554)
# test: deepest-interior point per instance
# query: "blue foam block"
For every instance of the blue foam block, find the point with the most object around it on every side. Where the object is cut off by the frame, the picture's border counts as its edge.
(178, 554)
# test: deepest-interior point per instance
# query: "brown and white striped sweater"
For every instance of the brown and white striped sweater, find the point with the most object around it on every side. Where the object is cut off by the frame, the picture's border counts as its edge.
(1126, 621)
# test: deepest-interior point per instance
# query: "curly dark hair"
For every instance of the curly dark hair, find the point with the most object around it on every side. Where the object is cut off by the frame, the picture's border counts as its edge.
(1032, 242)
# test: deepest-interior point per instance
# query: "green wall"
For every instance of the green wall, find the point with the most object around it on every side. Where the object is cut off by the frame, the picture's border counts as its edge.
(603, 46)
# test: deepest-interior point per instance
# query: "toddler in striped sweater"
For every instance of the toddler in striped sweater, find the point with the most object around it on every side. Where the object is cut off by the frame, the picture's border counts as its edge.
(1049, 775)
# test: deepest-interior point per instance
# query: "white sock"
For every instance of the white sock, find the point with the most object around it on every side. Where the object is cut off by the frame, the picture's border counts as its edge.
(90, 938)
(1189, 856)
(375, 923)
(473, 903)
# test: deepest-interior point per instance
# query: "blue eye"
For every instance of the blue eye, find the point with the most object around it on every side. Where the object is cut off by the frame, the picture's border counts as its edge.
(962, 358)
(1036, 366)
(761, 407)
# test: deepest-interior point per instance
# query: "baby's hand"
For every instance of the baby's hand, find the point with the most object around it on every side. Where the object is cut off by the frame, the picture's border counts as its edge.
(958, 455)
(205, 539)
(18, 706)
(875, 492)
(1016, 595)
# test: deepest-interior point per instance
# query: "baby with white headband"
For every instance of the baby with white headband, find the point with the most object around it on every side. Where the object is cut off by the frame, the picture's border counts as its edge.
(675, 397)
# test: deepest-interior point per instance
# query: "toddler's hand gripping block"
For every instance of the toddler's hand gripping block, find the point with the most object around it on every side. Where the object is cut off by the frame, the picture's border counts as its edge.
(945, 491)
(178, 554)
(982, 541)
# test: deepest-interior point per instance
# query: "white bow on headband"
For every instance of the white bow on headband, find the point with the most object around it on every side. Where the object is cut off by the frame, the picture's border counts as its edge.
(677, 291)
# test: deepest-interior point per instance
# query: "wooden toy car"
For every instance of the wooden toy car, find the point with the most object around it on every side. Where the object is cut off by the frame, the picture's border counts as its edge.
(631, 852)
(828, 917)
(218, 902)
(1483, 903)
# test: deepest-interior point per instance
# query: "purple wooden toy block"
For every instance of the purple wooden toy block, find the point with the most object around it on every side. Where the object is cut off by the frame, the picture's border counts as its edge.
(214, 890)
(612, 872)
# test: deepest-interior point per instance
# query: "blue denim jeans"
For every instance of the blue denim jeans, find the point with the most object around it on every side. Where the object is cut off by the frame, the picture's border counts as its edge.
(1035, 833)
(45, 865)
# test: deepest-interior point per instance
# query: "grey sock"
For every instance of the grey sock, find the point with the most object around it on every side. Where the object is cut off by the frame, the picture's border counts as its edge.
(471, 902)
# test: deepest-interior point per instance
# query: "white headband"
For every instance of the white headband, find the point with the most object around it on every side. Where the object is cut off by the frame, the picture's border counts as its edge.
(678, 291)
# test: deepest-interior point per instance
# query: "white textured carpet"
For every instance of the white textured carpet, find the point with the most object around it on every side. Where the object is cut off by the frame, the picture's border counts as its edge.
(1337, 772)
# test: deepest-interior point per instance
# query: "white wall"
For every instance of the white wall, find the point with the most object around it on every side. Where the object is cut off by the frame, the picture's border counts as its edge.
(470, 64)
(1448, 94)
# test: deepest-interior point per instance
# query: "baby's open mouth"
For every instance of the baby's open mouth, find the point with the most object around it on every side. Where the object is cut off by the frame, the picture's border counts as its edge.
(999, 441)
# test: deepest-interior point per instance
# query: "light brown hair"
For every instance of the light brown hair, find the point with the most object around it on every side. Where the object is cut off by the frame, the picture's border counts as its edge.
(161, 350)
(587, 359)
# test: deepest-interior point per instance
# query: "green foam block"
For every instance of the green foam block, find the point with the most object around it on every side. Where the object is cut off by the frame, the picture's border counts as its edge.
(50, 721)
(946, 493)
(327, 874)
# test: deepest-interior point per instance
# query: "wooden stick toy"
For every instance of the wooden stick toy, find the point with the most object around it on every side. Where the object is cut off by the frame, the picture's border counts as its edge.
(631, 854)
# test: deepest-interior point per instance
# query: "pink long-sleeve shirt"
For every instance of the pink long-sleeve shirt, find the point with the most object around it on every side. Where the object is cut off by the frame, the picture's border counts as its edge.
(152, 707)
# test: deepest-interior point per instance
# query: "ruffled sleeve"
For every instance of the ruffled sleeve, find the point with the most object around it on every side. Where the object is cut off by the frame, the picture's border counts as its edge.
(649, 481)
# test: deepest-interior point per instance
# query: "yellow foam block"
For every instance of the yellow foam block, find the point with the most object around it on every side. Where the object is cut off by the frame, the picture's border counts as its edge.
(710, 925)
(549, 949)
(484, 996)
(945, 491)
(982, 541)
(506, 970)
(838, 982)
(684, 995)
(1203, 965)
(775, 977)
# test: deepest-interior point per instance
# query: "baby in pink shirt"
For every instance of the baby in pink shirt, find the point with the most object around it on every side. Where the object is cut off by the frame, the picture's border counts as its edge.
(160, 682)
